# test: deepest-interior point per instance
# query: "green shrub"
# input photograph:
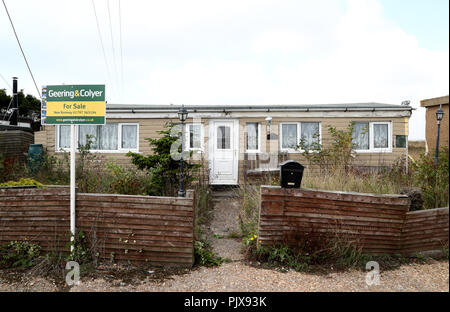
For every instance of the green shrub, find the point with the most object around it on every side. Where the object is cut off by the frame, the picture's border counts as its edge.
(22, 182)
(433, 179)
(19, 253)
(124, 180)
(162, 166)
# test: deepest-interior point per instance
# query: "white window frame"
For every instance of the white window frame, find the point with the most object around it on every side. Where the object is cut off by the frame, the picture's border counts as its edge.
(258, 139)
(126, 150)
(188, 138)
(119, 149)
(299, 133)
(372, 149)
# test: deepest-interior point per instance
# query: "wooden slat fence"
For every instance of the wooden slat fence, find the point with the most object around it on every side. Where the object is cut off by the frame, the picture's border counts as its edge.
(380, 224)
(425, 230)
(144, 229)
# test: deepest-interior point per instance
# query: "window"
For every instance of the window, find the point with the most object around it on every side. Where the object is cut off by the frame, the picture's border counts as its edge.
(111, 137)
(372, 136)
(64, 137)
(289, 138)
(129, 136)
(291, 133)
(310, 133)
(223, 137)
(361, 135)
(252, 135)
(380, 135)
(194, 136)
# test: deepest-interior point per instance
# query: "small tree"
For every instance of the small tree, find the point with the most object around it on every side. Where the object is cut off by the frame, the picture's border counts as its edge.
(163, 167)
(339, 155)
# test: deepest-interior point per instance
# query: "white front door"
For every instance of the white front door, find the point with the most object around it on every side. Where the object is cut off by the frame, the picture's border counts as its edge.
(223, 145)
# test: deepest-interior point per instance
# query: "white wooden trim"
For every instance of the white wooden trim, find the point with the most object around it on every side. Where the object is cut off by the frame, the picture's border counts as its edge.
(299, 134)
(372, 149)
(119, 149)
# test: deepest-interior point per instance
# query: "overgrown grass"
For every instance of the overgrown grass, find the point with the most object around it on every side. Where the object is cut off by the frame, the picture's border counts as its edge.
(249, 213)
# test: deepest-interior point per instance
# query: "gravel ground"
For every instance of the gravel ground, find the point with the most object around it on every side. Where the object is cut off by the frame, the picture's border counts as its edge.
(238, 275)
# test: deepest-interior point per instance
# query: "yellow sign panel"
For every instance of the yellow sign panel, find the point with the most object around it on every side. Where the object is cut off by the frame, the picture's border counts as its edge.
(75, 109)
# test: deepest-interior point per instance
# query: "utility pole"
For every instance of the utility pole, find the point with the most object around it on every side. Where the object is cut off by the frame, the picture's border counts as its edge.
(15, 104)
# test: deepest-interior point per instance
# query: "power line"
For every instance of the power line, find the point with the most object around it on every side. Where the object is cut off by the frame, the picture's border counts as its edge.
(20, 46)
(112, 46)
(6, 82)
(121, 57)
(101, 43)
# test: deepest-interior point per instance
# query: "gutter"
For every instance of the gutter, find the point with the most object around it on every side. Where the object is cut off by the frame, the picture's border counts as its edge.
(196, 110)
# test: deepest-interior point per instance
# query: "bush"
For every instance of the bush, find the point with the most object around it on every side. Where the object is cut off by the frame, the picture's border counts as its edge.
(22, 182)
(338, 156)
(19, 253)
(433, 179)
(121, 180)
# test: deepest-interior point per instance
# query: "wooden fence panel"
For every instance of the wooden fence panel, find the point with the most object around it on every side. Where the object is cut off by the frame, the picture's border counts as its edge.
(425, 230)
(145, 229)
(378, 223)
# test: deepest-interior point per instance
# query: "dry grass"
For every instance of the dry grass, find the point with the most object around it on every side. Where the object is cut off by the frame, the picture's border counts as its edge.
(350, 182)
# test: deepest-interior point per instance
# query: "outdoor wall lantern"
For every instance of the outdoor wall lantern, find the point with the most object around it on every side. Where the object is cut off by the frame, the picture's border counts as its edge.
(182, 115)
(269, 126)
(439, 116)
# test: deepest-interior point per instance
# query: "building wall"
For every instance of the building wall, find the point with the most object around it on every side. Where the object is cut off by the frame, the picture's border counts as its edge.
(148, 128)
(431, 127)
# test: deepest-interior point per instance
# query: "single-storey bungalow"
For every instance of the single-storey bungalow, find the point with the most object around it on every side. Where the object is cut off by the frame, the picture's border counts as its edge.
(236, 140)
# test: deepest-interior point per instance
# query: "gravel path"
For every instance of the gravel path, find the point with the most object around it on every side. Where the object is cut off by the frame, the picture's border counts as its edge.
(239, 276)
(225, 223)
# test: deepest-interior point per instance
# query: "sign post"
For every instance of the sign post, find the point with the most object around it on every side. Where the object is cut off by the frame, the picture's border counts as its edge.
(73, 105)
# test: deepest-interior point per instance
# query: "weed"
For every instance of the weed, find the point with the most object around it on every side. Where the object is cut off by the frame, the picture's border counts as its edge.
(19, 254)
(205, 256)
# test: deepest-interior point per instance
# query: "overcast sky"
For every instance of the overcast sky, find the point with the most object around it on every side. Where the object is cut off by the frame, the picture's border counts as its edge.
(235, 52)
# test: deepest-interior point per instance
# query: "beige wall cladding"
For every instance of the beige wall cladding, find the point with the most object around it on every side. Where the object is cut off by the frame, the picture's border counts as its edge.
(431, 127)
(149, 128)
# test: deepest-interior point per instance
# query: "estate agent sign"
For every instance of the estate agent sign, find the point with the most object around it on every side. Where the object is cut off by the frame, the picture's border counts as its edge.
(73, 105)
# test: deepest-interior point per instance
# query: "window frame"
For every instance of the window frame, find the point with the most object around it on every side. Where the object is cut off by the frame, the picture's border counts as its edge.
(373, 149)
(258, 138)
(187, 138)
(119, 149)
(299, 134)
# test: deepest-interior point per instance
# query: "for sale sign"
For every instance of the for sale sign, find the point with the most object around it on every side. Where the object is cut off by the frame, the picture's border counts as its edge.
(73, 105)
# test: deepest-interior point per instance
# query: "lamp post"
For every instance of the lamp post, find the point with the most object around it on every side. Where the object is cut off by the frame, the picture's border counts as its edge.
(182, 115)
(439, 116)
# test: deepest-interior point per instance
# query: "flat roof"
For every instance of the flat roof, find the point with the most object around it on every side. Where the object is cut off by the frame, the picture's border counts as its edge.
(372, 106)
(434, 101)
